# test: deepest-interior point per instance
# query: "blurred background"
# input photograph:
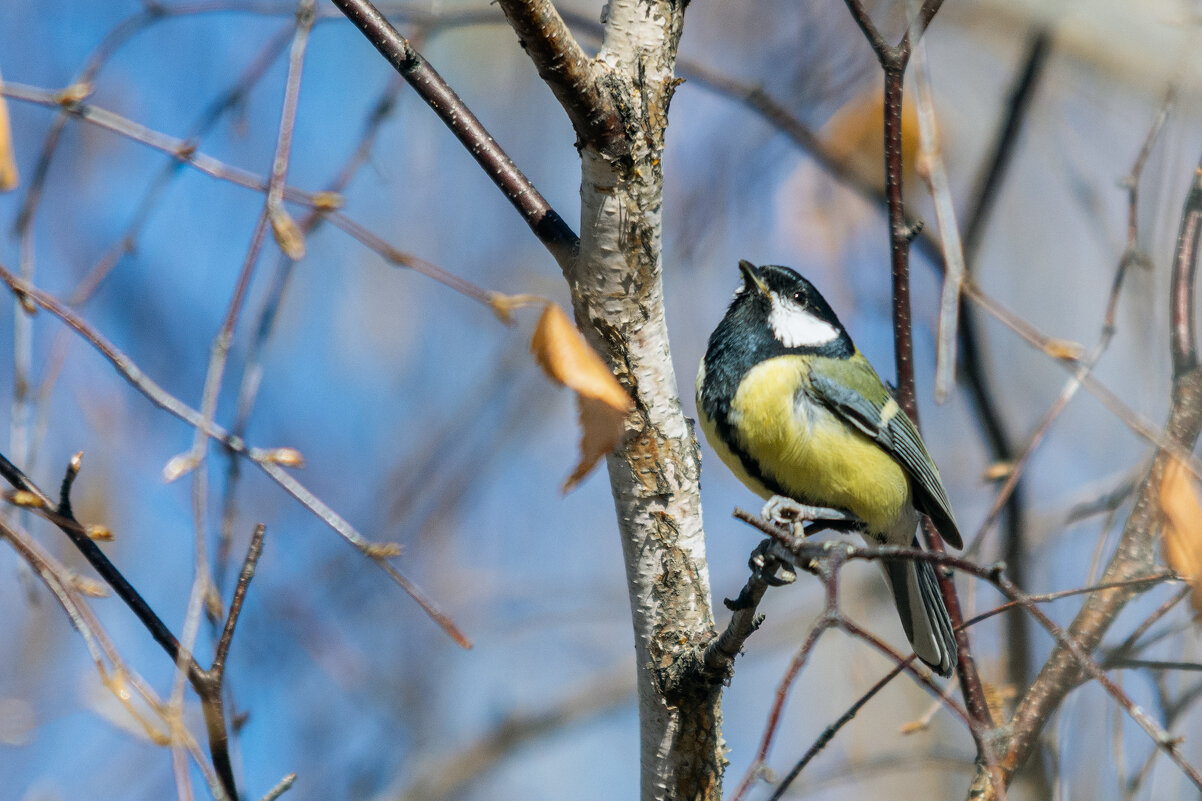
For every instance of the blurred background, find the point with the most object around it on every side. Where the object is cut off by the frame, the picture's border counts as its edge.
(424, 422)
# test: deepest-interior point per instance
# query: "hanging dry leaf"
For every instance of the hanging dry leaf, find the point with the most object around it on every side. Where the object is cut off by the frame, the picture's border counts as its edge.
(8, 161)
(179, 466)
(603, 404)
(854, 136)
(1181, 540)
(287, 233)
(998, 471)
(1064, 349)
(285, 457)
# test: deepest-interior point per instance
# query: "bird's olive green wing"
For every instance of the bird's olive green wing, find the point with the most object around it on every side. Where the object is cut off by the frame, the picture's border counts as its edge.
(859, 397)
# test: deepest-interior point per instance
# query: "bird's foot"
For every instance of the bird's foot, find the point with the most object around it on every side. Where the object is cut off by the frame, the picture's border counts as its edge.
(790, 514)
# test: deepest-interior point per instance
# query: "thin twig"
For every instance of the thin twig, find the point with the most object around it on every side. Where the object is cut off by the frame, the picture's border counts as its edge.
(281, 787)
(829, 555)
(830, 731)
(179, 149)
(568, 71)
(778, 704)
(1152, 664)
(547, 225)
(264, 325)
(196, 676)
(893, 61)
(1139, 582)
(1086, 365)
(253, 552)
(932, 170)
(1183, 332)
(265, 460)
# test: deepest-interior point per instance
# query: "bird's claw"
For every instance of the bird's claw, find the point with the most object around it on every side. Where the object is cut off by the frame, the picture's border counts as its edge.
(789, 514)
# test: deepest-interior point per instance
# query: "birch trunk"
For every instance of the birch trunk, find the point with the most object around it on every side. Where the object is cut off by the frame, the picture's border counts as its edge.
(617, 291)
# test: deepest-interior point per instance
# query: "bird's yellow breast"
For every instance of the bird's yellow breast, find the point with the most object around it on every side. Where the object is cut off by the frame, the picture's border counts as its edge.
(806, 450)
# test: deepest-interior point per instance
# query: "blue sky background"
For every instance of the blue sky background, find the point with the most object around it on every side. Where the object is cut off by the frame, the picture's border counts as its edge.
(423, 421)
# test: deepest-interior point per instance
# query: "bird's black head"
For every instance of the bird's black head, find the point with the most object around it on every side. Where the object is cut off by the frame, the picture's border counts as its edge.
(775, 312)
(783, 312)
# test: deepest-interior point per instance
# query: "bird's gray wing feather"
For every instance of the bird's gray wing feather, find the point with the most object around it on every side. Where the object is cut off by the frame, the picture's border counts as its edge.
(900, 439)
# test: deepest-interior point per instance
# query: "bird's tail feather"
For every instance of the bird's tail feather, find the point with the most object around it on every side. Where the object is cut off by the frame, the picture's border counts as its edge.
(923, 615)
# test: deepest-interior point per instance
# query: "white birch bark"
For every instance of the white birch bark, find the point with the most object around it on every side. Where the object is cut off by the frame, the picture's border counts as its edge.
(618, 296)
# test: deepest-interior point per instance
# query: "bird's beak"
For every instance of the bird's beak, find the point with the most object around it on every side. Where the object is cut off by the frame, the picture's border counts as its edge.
(752, 277)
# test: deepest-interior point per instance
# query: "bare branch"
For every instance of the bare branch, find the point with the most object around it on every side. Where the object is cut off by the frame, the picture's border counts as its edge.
(547, 225)
(253, 552)
(568, 71)
(830, 731)
(893, 62)
(1185, 265)
(264, 460)
(719, 655)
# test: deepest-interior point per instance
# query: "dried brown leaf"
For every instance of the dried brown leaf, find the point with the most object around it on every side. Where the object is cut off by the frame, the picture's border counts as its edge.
(8, 160)
(285, 457)
(853, 136)
(603, 404)
(25, 498)
(1064, 349)
(1181, 539)
(287, 234)
(998, 471)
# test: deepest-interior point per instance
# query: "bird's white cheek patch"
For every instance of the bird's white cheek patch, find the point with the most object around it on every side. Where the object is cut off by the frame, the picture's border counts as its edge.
(795, 327)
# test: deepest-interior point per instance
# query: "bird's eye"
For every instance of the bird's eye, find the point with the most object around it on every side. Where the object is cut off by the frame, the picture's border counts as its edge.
(800, 298)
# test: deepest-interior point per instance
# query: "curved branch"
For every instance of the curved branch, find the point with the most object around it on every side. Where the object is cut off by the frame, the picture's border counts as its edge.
(568, 71)
(555, 234)
(1185, 266)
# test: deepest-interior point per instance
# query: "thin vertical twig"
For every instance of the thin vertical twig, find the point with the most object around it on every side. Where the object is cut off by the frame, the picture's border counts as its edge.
(264, 324)
(931, 168)
(893, 61)
(219, 354)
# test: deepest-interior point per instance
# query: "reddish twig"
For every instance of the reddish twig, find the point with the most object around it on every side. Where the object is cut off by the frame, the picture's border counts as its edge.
(893, 61)
(1184, 345)
(547, 225)
(821, 556)
(778, 704)
(830, 731)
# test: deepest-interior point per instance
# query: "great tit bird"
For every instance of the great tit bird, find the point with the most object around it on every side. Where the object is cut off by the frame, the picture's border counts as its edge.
(795, 410)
